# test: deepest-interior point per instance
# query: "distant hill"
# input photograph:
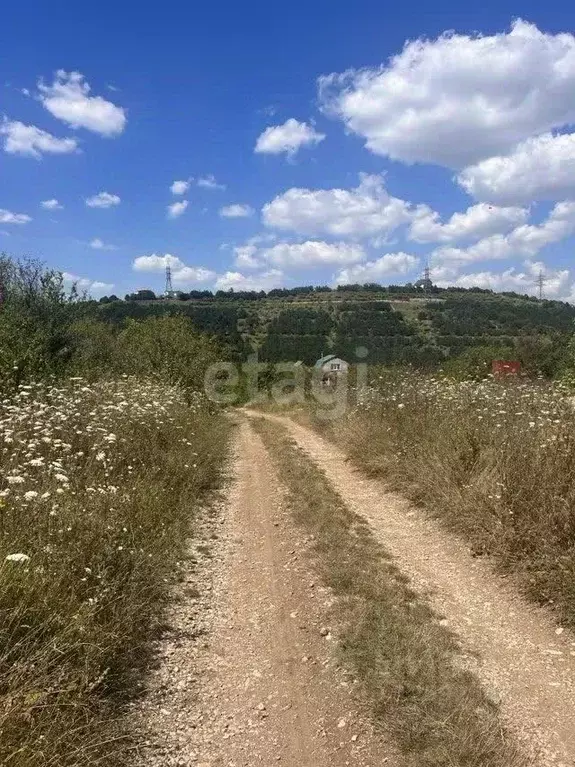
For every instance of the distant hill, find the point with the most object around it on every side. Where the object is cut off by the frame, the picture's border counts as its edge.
(396, 324)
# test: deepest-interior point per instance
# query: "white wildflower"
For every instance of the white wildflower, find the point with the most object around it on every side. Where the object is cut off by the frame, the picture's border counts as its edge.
(17, 558)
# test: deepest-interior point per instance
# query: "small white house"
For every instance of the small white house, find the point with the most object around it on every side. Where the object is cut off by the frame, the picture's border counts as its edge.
(331, 367)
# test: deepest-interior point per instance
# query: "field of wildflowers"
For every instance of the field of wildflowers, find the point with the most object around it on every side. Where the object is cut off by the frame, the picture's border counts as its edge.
(99, 485)
(494, 460)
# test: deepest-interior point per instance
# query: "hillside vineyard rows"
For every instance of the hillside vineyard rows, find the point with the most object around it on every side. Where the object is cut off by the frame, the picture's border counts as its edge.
(395, 326)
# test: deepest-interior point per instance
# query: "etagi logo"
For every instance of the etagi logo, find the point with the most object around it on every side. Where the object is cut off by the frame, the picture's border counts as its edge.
(329, 383)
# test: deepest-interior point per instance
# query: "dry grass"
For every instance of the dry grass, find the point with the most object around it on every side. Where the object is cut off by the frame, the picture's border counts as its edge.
(494, 462)
(391, 640)
(100, 486)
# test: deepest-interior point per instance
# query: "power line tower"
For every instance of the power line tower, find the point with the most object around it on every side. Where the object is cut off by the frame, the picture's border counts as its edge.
(425, 282)
(540, 283)
(169, 287)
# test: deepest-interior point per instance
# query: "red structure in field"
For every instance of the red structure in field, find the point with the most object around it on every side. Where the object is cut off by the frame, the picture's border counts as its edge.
(501, 368)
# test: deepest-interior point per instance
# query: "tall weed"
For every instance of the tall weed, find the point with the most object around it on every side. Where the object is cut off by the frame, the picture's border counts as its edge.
(100, 485)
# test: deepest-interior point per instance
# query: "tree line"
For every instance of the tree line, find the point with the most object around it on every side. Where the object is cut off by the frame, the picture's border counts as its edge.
(408, 290)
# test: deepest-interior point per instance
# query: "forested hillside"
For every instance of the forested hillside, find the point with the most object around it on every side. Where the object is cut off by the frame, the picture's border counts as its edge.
(397, 325)
(44, 330)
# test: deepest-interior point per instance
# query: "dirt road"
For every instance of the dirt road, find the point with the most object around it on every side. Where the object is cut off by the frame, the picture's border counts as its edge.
(263, 688)
(266, 687)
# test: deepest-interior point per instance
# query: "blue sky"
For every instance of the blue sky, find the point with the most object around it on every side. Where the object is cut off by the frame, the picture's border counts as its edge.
(312, 145)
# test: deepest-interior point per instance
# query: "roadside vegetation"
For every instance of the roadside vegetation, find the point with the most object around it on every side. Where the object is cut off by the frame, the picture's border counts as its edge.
(390, 639)
(108, 452)
(100, 487)
(493, 460)
(47, 331)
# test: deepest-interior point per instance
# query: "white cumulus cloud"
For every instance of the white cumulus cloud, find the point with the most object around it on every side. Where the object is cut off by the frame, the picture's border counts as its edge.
(52, 204)
(182, 274)
(98, 244)
(156, 263)
(459, 99)
(236, 211)
(312, 253)
(540, 168)
(7, 217)
(288, 138)
(86, 285)
(192, 274)
(209, 182)
(180, 187)
(68, 99)
(177, 208)
(273, 278)
(558, 283)
(379, 269)
(246, 257)
(364, 211)
(32, 141)
(103, 200)
(476, 222)
(523, 241)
